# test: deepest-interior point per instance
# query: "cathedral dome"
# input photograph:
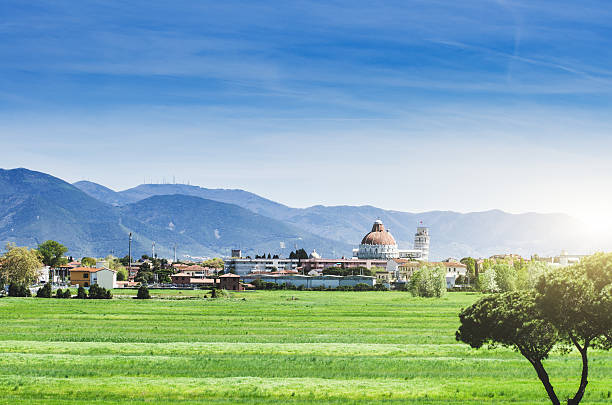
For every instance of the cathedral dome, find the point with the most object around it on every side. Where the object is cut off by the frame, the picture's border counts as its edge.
(314, 255)
(378, 236)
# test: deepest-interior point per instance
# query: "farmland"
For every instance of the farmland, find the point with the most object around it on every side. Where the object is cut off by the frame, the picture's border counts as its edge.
(264, 347)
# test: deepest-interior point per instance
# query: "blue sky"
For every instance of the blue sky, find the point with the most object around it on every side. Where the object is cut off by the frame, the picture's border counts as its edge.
(408, 105)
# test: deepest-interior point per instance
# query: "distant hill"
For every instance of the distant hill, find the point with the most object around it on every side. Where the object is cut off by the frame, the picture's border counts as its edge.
(102, 193)
(220, 226)
(35, 207)
(453, 234)
(242, 198)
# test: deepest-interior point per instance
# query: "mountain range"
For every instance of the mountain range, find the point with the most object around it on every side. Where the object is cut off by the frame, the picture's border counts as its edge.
(94, 220)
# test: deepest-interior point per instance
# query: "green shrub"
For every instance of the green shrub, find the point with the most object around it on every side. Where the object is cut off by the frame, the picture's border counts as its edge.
(19, 290)
(99, 293)
(81, 293)
(67, 293)
(59, 293)
(362, 287)
(143, 293)
(44, 291)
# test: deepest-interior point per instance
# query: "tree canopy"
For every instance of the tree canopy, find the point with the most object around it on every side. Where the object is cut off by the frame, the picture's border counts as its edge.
(19, 265)
(88, 262)
(569, 307)
(299, 254)
(428, 282)
(215, 262)
(510, 319)
(52, 253)
(577, 300)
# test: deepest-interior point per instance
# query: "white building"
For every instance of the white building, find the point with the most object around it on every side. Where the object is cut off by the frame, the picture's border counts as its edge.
(379, 244)
(242, 266)
(402, 269)
(453, 271)
(421, 242)
(43, 275)
(104, 277)
(313, 281)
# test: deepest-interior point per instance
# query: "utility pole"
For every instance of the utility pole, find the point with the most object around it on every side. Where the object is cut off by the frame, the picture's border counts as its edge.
(153, 251)
(175, 253)
(130, 255)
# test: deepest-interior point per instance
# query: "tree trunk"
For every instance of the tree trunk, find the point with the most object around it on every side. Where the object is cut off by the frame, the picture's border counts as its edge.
(585, 373)
(543, 376)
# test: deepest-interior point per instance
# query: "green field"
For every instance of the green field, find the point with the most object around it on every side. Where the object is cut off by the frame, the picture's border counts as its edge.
(264, 347)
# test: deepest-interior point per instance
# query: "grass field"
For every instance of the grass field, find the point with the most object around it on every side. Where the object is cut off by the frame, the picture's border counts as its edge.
(264, 348)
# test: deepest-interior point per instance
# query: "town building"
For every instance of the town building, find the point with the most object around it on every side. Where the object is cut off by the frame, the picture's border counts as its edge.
(87, 276)
(562, 260)
(186, 280)
(43, 275)
(379, 244)
(104, 277)
(401, 270)
(226, 282)
(313, 281)
(421, 242)
(318, 264)
(61, 273)
(243, 266)
(230, 282)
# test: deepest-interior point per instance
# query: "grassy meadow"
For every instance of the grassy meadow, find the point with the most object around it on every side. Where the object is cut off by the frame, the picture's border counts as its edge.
(264, 347)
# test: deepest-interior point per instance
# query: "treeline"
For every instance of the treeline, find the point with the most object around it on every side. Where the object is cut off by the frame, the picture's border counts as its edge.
(506, 277)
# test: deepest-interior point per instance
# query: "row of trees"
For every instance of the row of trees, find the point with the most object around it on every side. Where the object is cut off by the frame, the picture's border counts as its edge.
(569, 308)
(504, 277)
(299, 254)
(95, 292)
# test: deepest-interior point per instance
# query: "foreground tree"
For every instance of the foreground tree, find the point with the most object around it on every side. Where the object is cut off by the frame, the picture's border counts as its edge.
(19, 265)
(577, 300)
(52, 253)
(511, 320)
(570, 307)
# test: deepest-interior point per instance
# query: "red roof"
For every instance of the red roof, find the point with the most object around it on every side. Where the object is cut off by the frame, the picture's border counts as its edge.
(378, 236)
(89, 269)
(228, 275)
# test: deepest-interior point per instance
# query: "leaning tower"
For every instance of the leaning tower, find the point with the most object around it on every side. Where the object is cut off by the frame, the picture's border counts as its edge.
(421, 241)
